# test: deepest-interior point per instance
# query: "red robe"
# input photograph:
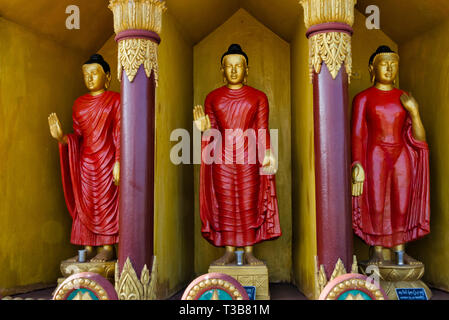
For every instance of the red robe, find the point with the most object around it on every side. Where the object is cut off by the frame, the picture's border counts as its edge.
(238, 205)
(394, 207)
(87, 162)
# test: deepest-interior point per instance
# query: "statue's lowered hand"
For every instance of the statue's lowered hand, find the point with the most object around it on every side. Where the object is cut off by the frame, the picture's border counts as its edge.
(116, 173)
(269, 163)
(358, 178)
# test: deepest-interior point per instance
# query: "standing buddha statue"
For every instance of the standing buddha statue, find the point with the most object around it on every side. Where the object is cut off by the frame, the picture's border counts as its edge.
(238, 202)
(390, 170)
(90, 163)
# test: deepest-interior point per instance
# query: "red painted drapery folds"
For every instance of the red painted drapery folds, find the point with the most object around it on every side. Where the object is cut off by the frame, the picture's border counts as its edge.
(87, 162)
(395, 206)
(238, 204)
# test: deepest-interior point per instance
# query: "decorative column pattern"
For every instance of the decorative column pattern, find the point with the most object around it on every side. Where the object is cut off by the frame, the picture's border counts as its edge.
(137, 24)
(329, 31)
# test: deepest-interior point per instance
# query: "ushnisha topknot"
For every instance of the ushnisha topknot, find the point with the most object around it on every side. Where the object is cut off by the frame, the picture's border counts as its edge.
(98, 58)
(235, 49)
(382, 50)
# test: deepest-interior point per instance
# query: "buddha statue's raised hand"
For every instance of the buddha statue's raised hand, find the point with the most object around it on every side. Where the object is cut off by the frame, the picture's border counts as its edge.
(202, 121)
(55, 128)
(410, 104)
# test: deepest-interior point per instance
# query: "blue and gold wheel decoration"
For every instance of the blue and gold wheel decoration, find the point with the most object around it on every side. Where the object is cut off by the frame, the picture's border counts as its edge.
(215, 286)
(352, 286)
(85, 286)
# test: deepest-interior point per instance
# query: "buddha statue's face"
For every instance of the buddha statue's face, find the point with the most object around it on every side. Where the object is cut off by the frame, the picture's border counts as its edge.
(95, 78)
(234, 69)
(385, 68)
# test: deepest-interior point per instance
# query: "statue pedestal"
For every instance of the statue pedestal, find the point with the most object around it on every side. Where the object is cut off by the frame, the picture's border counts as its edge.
(105, 269)
(392, 276)
(247, 275)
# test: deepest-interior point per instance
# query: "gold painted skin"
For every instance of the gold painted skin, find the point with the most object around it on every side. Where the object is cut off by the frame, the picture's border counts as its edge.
(97, 82)
(235, 72)
(384, 71)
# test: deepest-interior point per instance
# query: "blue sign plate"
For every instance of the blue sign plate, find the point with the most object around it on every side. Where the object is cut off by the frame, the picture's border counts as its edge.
(251, 291)
(411, 294)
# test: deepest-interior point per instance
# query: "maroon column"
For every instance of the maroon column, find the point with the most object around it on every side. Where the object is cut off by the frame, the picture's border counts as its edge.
(332, 147)
(136, 205)
(332, 164)
(137, 171)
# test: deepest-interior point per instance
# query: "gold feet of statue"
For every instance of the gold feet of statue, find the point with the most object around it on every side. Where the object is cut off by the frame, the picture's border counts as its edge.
(250, 258)
(227, 258)
(411, 261)
(380, 256)
(377, 257)
(102, 254)
(230, 258)
(90, 253)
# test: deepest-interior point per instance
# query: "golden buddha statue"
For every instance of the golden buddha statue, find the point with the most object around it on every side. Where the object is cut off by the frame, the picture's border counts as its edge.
(238, 203)
(390, 172)
(90, 163)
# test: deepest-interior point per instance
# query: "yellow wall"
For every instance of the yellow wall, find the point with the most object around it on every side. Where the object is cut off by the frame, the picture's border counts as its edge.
(424, 71)
(173, 184)
(303, 166)
(269, 63)
(37, 77)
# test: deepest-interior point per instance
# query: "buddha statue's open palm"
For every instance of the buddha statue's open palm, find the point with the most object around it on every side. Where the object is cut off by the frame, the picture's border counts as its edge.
(55, 127)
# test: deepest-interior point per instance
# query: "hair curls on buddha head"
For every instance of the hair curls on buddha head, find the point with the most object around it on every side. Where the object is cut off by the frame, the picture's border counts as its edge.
(98, 58)
(235, 49)
(382, 51)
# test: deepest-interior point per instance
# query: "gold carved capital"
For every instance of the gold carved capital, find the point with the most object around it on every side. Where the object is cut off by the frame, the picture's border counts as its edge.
(130, 287)
(136, 51)
(329, 46)
(332, 48)
(132, 53)
(137, 14)
(325, 11)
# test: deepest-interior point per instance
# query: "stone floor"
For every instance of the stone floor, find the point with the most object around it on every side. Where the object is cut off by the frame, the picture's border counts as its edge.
(278, 291)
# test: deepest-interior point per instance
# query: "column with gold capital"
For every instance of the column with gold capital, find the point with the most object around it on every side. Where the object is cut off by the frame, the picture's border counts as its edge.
(137, 24)
(329, 32)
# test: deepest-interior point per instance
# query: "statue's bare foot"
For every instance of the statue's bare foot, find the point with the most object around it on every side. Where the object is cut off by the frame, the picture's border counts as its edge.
(377, 259)
(410, 261)
(103, 256)
(252, 260)
(227, 258)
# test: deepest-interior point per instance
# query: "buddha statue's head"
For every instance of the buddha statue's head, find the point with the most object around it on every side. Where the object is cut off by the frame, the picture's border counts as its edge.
(97, 74)
(384, 66)
(234, 67)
